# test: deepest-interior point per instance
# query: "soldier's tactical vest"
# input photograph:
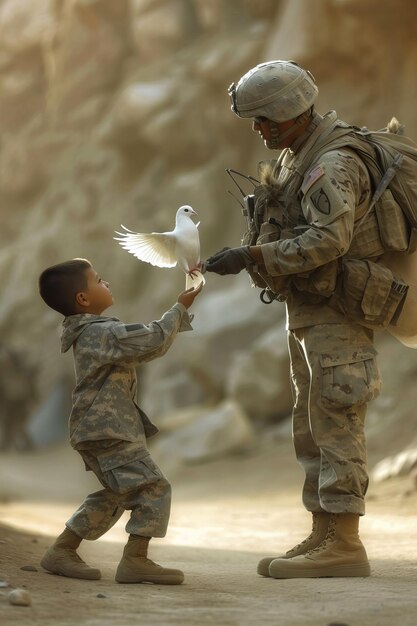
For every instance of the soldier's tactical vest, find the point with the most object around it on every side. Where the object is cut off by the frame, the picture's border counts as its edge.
(357, 284)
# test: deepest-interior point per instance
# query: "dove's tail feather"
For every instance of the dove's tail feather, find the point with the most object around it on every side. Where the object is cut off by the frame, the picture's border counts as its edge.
(194, 281)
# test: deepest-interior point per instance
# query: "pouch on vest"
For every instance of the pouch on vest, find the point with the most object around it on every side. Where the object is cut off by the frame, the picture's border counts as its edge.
(270, 231)
(368, 293)
(366, 241)
(321, 281)
(392, 224)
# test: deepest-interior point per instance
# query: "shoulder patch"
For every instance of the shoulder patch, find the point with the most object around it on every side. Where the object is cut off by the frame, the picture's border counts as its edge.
(312, 177)
(321, 201)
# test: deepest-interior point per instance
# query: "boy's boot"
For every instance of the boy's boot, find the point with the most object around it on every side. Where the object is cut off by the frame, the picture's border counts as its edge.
(135, 567)
(317, 535)
(340, 554)
(62, 558)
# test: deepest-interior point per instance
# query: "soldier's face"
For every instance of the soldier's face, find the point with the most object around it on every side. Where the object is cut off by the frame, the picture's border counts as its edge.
(97, 296)
(262, 126)
(272, 140)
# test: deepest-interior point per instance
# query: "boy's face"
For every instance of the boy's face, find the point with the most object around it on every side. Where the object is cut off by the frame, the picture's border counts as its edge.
(97, 297)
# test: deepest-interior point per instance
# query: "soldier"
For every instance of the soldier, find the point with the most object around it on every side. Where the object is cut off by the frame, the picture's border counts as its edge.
(107, 427)
(301, 227)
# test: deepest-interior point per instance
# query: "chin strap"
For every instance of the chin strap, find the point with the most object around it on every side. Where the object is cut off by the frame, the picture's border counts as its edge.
(277, 137)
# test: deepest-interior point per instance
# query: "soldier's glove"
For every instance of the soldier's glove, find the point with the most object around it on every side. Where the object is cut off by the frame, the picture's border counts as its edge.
(229, 261)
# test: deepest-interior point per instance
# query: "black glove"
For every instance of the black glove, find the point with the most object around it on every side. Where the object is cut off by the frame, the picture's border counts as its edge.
(229, 261)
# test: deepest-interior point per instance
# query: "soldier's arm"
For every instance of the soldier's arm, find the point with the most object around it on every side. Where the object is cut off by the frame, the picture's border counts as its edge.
(332, 190)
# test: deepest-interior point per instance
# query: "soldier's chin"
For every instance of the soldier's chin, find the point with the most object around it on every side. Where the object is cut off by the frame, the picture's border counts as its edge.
(271, 144)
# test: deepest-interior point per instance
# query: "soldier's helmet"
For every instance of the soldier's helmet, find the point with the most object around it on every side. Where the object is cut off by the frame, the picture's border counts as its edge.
(278, 90)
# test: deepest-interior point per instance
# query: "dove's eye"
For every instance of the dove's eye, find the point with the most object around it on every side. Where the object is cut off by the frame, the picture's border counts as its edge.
(186, 210)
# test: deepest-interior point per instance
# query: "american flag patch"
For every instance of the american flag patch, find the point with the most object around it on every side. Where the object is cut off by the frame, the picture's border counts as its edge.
(313, 176)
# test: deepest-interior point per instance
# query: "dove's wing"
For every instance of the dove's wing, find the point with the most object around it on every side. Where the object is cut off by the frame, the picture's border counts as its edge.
(154, 248)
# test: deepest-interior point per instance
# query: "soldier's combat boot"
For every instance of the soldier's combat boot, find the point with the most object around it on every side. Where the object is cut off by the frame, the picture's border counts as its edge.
(340, 554)
(61, 558)
(135, 567)
(317, 535)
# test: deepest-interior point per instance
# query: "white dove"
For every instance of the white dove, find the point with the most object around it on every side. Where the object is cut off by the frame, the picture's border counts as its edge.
(180, 246)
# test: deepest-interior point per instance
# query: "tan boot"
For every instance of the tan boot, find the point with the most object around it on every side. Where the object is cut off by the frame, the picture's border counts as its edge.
(135, 567)
(340, 554)
(318, 533)
(62, 559)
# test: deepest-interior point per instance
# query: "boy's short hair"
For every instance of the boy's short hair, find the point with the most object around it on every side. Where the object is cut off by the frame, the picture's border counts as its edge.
(59, 284)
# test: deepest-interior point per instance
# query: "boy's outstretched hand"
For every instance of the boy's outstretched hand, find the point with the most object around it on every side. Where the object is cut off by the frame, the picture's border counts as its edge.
(187, 297)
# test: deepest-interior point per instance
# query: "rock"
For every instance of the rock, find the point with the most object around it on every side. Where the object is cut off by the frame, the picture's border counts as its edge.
(22, 96)
(49, 424)
(225, 429)
(135, 104)
(117, 112)
(20, 597)
(221, 430)
(401, 464)
(158, 29)
(84, 53)
(259, 377)
(172, 420)
(29, 568)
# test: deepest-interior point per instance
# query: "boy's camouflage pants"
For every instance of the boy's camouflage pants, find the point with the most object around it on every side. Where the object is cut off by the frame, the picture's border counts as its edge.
(131, 480)
(334, 375)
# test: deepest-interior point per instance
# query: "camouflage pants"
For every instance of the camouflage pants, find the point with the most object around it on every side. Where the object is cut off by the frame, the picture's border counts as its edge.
(132, 481)
(334, 375)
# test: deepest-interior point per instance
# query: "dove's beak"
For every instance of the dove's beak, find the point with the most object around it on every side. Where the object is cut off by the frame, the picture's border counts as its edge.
(194, 213)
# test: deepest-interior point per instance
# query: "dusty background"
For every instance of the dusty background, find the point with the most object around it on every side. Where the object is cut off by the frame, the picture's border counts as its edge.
(117, 112)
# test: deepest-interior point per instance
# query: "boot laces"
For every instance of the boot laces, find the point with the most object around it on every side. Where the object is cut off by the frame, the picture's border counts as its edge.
(329, 538)
(71, 553)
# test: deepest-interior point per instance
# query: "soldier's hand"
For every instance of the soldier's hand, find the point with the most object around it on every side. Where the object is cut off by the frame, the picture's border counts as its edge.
(229, 261)
(187, 297)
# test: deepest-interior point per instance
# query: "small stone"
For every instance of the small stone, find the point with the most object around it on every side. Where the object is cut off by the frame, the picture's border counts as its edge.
(20, 597)
(101, 595)
(3, 583)
(29, 568)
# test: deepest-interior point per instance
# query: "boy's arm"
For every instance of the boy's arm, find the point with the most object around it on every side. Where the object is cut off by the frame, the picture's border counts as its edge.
(133, 344)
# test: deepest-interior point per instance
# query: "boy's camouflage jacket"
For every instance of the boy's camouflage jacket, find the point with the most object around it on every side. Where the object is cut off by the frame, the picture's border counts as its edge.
(106, 352)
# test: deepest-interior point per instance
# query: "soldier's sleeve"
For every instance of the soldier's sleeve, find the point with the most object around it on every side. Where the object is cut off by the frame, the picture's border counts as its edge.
(134, 344)
(330, 193)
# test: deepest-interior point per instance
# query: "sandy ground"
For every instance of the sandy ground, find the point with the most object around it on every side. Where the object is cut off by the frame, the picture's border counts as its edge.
(226, 515)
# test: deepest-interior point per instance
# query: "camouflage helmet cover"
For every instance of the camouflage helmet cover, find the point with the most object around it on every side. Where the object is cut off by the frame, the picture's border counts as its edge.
(278, 90)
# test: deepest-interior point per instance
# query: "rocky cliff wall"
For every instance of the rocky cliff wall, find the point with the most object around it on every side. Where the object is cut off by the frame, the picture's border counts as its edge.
(117, 112)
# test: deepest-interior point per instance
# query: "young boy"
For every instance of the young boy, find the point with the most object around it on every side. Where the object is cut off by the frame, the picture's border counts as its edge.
(106, 425)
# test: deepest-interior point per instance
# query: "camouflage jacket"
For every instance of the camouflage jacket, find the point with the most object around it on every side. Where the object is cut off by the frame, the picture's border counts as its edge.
(106, 353)
(307, 220)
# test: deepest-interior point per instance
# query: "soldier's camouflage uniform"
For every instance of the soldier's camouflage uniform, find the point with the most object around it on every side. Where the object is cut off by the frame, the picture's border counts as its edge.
(109, 429)
(306, 226)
